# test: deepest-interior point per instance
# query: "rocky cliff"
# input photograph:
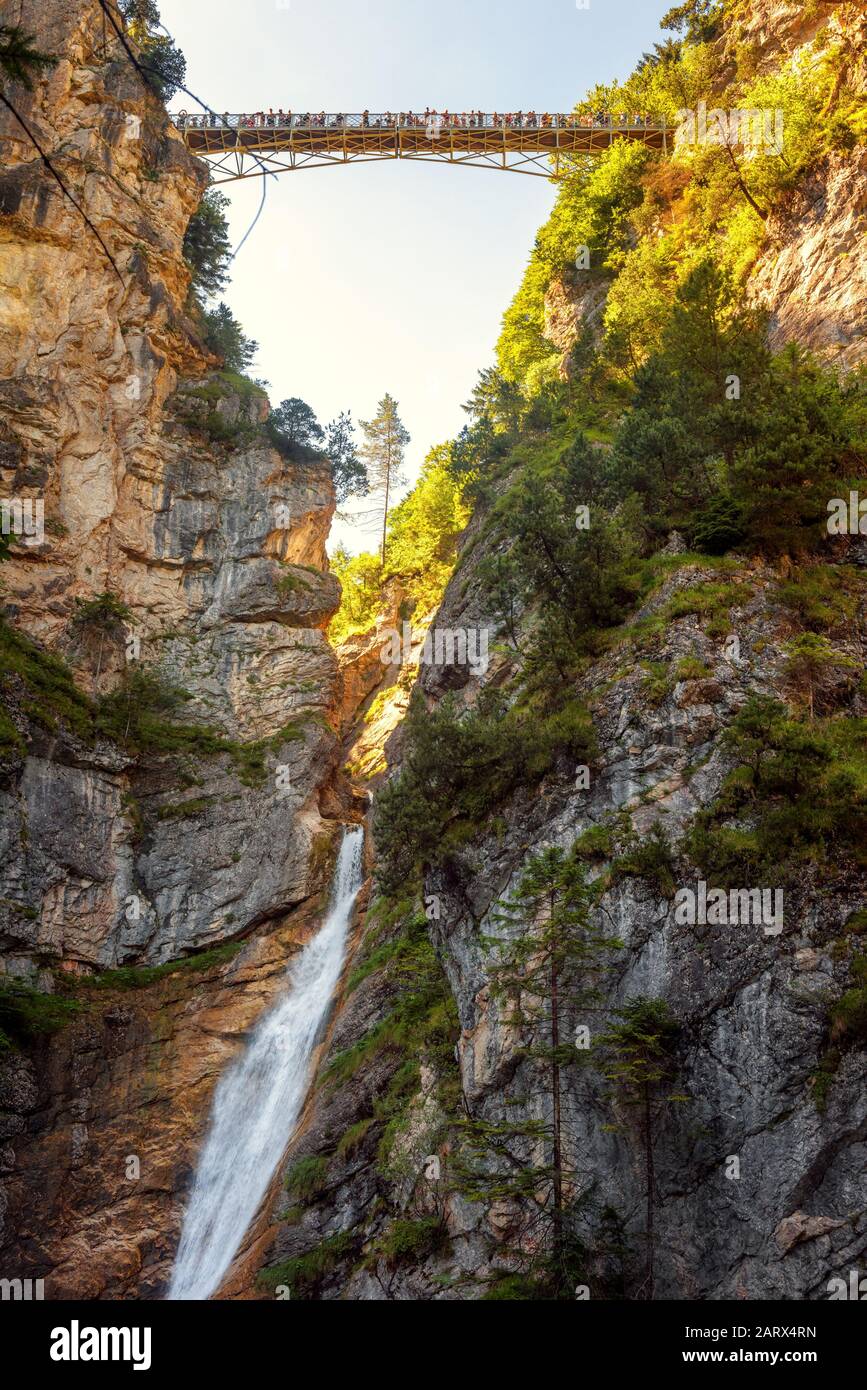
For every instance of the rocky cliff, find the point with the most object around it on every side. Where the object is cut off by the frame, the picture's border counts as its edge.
(168, 755)
(432, 1098)
(172, 728)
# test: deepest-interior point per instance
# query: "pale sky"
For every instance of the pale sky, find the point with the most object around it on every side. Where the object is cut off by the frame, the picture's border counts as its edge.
(392, 276)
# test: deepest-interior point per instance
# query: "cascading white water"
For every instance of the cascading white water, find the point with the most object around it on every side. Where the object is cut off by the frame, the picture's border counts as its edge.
(259, 1098)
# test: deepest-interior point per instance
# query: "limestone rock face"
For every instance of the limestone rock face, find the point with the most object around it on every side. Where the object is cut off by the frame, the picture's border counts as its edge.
(813, 274)
(100, 1126)
(771, 28)
(752, 1007)
(162, 489)
(573, 305)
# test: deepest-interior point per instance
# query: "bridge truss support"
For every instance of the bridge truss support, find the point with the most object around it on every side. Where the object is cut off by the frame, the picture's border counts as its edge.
(234, 151)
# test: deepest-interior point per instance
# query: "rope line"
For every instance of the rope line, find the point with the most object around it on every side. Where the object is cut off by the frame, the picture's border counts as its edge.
(66, 191)
(143, 68)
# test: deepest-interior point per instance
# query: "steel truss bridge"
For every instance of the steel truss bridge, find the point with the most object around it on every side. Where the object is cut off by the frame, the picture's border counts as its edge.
(246, 146)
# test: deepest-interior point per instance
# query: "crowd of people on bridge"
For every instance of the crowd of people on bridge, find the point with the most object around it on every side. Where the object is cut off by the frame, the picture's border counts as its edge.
(429, 120)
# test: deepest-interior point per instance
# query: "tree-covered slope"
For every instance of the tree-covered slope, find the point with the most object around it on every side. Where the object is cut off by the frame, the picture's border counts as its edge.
(550, 1079)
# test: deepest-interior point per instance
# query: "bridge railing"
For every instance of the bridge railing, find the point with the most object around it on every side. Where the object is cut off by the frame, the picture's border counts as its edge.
(432, 124)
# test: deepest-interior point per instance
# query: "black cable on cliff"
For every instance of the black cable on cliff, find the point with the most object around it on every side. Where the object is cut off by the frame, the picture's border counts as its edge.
(66, 191)
(144, 68)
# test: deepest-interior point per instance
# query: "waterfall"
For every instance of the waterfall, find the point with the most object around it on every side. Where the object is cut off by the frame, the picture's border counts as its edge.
(259, 1098)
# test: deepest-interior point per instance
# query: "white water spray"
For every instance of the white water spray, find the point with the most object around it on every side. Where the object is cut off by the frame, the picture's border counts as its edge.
(259, 1098)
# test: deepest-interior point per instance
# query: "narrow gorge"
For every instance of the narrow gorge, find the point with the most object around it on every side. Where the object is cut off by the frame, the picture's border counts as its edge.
(355, 938)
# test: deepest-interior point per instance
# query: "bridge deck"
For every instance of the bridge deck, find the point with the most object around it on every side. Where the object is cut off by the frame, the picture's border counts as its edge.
(236, 150)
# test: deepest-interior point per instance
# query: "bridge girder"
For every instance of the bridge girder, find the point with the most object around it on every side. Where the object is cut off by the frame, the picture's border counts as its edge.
(238, 152)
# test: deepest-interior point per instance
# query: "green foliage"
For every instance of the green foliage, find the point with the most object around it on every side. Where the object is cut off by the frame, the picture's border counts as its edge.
(348, 471)
(548, 945)
(361, 582)
(689, 668)
(20, 60)
(294, 430)
(640, 1048)
(546, 962)
(305, 1274)
(207, 247)
(420, 552)
(718, 526)
(422, 1015)
(710, 602)
(803, 789)
(649, 857)
(822, 598)
(513, 1288)
(385, 441)
(225, 337)
(592, 210)
(52, 695)
(350, 1142)
(420, 1025)
(700, 19)
(677, 444)
(164, 63)
(293, 426)
(597, 842)
(105, 612)
(292, 584)
(410, 1242)
(576, 580)
(848, 1019)
(134, 977)
(655, 685)
(849, 1014)
(459, 765)
(811, 666)
(141, 714)
(423, 533)
(807, 440)
(27, 1014)
(307, 1178)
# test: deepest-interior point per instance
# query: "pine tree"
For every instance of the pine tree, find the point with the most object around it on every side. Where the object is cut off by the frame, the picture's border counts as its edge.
(347, 470)
(20, 61)
(699, 19)
(162, 60)
(227, 339)
(545, 972)
(294, 425)
(811, 663)
(207, 248)
(641, 1047)
(383, 453)
(105, 615)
